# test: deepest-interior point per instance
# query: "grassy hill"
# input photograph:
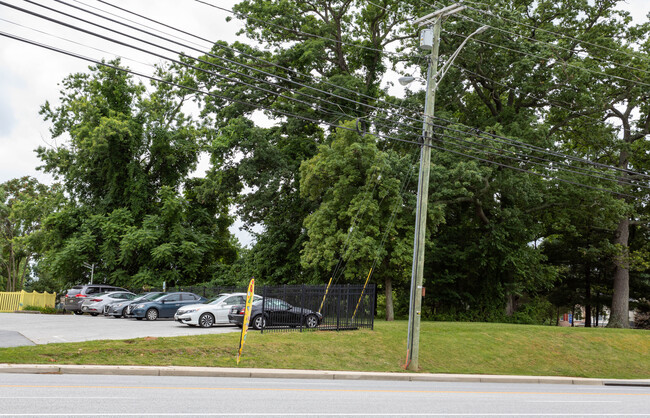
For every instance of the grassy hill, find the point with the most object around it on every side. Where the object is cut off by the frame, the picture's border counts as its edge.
(445, 347)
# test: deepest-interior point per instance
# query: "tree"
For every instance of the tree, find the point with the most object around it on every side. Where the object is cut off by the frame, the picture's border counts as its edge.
(554, 78)
(311, 69)
(361, 221)
(133, 209)
(23, 204)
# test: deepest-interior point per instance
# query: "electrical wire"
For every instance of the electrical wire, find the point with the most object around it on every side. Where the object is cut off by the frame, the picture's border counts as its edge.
(345, 115)
(558, 47)
(213, 64)
(606, 48)
(299, 32)
(342, 114)
(566, 64)
(312, 120)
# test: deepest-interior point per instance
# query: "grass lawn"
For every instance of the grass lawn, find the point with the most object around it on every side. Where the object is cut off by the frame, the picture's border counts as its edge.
(445, 347)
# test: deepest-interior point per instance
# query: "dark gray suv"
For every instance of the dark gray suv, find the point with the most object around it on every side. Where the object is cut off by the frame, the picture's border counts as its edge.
(75, 296)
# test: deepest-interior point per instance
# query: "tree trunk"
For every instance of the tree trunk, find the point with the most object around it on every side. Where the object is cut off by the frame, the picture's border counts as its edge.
(621, 296)
(388, 284)
(511, 305)
(23, 273)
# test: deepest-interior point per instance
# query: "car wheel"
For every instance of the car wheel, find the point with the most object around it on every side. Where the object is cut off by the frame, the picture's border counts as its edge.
(259, 322)
(311, 321)
(206, 320)
(152, 314)
(78, 312)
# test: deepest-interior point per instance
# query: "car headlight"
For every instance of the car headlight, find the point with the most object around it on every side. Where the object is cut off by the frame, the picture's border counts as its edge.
(140, 306)
(184, 311)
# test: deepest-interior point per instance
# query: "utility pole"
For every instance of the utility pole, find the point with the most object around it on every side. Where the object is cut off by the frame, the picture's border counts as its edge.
(431, 41)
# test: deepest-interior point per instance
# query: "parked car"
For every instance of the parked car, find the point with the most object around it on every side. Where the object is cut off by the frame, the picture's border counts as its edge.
(76, 295)
(276, 312)
(164, 306)
(94, 305)
(213, 312)
(120, 308)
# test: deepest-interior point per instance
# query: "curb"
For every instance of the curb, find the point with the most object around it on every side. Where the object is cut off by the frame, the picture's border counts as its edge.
(305, 374)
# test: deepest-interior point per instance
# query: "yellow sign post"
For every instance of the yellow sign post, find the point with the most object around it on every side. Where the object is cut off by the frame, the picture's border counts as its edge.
(247, 316)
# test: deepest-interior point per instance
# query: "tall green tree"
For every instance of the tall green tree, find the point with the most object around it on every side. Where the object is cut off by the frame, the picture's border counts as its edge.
(133, 210)
(362, 220)
(24, 202)
(319, 61)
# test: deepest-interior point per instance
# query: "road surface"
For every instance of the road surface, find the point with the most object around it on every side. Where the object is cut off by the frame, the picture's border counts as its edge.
(100, 395)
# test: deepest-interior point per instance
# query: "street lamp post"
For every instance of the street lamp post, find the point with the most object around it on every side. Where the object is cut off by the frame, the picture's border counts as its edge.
(433, 78)
(92, 270)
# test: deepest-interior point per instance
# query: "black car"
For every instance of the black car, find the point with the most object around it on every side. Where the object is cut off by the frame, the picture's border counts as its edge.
(77, 294)
(276, 312)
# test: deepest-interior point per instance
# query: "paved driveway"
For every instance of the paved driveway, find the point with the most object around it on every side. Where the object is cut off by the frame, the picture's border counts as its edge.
(28, 329)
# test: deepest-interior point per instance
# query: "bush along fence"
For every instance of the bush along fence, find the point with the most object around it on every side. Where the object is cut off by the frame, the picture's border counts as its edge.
(16, 301)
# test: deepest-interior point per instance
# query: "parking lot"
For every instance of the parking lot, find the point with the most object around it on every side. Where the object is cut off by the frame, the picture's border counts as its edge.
(28, 329)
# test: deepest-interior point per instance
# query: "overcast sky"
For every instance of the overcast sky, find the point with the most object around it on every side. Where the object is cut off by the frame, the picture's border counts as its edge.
(29, 75)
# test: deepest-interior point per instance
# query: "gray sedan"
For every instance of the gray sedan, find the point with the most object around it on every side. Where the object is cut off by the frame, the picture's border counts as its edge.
(94, 305)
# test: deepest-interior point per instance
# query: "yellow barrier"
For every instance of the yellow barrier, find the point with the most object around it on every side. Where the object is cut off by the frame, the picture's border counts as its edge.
(16, 301)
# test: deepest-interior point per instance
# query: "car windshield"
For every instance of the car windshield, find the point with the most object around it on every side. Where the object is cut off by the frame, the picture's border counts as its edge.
(217, 300)
(153, 296)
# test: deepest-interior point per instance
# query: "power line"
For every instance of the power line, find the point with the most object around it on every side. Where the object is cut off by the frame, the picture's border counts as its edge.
(215, 65)
(76, 42)
(639, 56)
(539, 41)
(524, 158)
(500, 138)
(355, 102)
(640, 83)
(176, 52)
(534, 173)
(292, 115)
(297, 31)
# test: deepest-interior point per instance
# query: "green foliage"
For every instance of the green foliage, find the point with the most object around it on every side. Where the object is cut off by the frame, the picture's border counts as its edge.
(43, 309)
(133, 210)
(24, 202)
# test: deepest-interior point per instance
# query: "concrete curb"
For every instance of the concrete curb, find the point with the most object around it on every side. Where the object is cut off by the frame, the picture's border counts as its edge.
(304, 374)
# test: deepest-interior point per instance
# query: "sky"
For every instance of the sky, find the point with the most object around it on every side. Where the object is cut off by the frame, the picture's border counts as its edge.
(29, 75)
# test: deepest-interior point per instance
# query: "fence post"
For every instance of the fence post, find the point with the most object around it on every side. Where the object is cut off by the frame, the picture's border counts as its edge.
(302, 304)
(338, 308)
(263, 308)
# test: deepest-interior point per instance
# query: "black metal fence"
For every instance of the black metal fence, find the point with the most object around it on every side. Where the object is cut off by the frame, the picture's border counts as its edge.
(344, 307)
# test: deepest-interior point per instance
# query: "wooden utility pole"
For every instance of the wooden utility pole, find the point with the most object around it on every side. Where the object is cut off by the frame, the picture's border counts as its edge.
(431, 41)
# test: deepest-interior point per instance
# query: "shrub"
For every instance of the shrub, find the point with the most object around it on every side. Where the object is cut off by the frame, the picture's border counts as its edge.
(42, 309)
(642, 315)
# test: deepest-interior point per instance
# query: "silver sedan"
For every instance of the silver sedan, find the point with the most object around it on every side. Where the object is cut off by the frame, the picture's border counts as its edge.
(94, 305)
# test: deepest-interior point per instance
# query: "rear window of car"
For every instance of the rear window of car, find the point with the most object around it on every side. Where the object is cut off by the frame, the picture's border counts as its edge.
(74, 291)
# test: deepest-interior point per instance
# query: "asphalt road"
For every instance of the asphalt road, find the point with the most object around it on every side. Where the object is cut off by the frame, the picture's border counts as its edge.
(27, 329)
(93, 395)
